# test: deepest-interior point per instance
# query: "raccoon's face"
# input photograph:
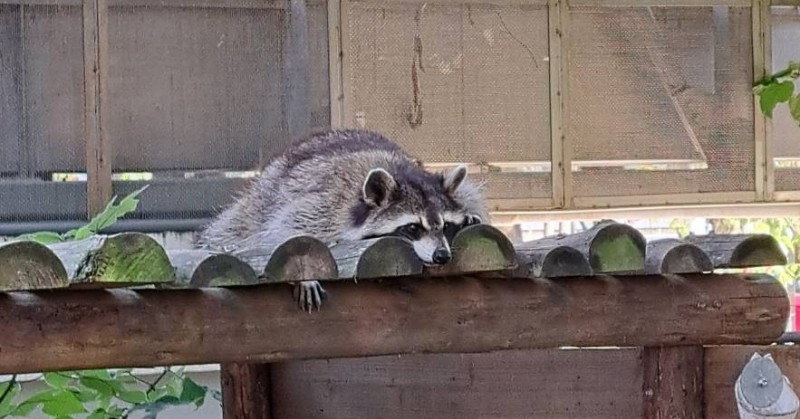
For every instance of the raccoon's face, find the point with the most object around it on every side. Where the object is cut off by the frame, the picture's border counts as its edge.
(417, 205)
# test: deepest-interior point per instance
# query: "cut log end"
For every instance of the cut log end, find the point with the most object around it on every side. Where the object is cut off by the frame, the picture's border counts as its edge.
(676, 257)
(301, 258)
(617, 248)
(124, 259)
(479, 248)
(550, 262)
(223, 271)
(388, 257)
(28, 265)
(758, 250)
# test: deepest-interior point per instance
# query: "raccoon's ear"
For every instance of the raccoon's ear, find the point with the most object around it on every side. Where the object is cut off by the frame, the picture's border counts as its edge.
(378, 187)
(453, 178)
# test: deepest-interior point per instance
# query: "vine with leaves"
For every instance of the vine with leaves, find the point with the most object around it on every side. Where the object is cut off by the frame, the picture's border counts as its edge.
(102, 394)
(779, 88)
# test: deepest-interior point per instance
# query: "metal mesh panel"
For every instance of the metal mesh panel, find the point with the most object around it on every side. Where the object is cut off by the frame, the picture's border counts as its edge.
(41, 112)
(659, 100)
(455, 83)
(785, 131)
(198, 91)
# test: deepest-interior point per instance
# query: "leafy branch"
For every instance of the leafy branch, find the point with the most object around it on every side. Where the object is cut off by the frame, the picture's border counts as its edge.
(779, 88)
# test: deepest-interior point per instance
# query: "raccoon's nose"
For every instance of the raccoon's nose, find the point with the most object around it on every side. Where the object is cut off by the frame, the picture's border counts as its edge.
(441, 256)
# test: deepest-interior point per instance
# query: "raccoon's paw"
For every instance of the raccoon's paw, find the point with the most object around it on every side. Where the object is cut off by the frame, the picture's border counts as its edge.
(309, 295)
(470, 219)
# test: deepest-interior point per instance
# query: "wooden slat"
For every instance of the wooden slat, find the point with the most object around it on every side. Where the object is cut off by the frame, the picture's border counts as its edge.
(740, 250)
(26, 265)
(478, 248)
(296, 72)
(77, 329)
(95, 62)
(200, 268)
(673, 382)
(245, 391)
(112, 261)
(723, 364)
(551, 384)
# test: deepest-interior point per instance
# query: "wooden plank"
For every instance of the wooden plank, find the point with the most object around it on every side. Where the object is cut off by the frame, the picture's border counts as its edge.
(723, 364)
(118, 260)
(245, 391)
(552, 384)
(296, 70)
(676, 257)
(557, 89)
(196, 268)
(673, 382)
(384, 257)
(72, 329)
(740, 250)
(335, 83)
(477, 248)
(27, 265)
(95, 64)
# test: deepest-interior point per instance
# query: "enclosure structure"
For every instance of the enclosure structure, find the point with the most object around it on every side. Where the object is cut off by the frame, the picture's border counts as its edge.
(598, 324)
(556, 104)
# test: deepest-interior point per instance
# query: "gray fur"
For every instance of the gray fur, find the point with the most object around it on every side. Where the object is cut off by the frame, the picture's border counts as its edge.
(321, 186)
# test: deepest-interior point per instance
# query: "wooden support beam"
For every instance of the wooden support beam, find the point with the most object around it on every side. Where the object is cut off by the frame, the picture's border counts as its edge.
(201, 268)
(246, 390)
(740, 250)
(113, 261)
(27, 265)
(78, 329)
(384, 257)
(672, 256)
(478, 248)
(673, 382)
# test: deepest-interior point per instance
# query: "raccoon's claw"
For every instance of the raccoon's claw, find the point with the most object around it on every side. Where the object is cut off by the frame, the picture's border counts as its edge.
(309, 295)
(471, 220)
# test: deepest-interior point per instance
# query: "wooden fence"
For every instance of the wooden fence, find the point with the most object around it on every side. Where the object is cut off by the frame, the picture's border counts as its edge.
(495, 333)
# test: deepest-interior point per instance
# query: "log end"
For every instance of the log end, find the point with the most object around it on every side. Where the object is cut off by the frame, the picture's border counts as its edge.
(617, 248)
(223, 270)
(301, 258)
(757, 251)
(676, 257)
(478, 248)
(28, 265)
(126, 259)
(560, 261)
(388, 257)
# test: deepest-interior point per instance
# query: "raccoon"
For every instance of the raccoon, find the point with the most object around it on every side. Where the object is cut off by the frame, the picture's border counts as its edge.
(349, 185)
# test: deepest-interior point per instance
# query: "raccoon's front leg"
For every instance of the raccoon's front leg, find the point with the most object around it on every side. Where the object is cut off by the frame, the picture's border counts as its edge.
(309, 295)
(470, 219)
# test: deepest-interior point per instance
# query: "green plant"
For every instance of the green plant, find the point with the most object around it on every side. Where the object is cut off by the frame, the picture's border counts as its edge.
(102, 394)
(779, 88)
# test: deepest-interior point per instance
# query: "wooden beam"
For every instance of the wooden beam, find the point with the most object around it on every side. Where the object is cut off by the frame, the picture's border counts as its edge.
(95, 63)
(27, 265)
(245, 391)
(673, 382)
(296, 70)
(79, 329)
(478, 248)
(201, 268)
(740, 250)
(675, 257)
(113, 261)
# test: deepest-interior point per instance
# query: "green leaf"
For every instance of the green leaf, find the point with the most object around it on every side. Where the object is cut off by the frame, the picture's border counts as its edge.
(100, 386)
(774, 94)
(133, 397)
(192, 392)
(56, 379)
(43, 237)
(24, 409)
(5, 405)
(794, 107)
(63, 403)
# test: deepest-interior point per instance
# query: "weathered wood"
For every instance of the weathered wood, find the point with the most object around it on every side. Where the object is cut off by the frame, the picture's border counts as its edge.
(610, 247)
(762, 392)
(300, 258)
(201, 268)
(478, 248)
(547, 384)
(673, 382)
(117, 260)
(547, 259)
(740, 250)
(384, 257)
(77, 329)
(675, 257)
(28, 265)
(245, 390)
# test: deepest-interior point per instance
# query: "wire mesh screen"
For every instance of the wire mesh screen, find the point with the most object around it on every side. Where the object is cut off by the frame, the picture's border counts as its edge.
(659, 100)
(41, 112)
(785, 131)
(201, 94)
(455, 83)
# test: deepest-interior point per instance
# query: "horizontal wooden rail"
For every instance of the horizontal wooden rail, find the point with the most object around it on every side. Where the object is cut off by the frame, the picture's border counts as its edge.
(69, 329)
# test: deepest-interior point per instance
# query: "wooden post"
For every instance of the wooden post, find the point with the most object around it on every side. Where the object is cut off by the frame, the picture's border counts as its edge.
(673, 382)
(245, 391)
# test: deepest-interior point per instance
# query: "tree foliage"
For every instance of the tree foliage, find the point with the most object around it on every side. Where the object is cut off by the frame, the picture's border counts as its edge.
(779, 88)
